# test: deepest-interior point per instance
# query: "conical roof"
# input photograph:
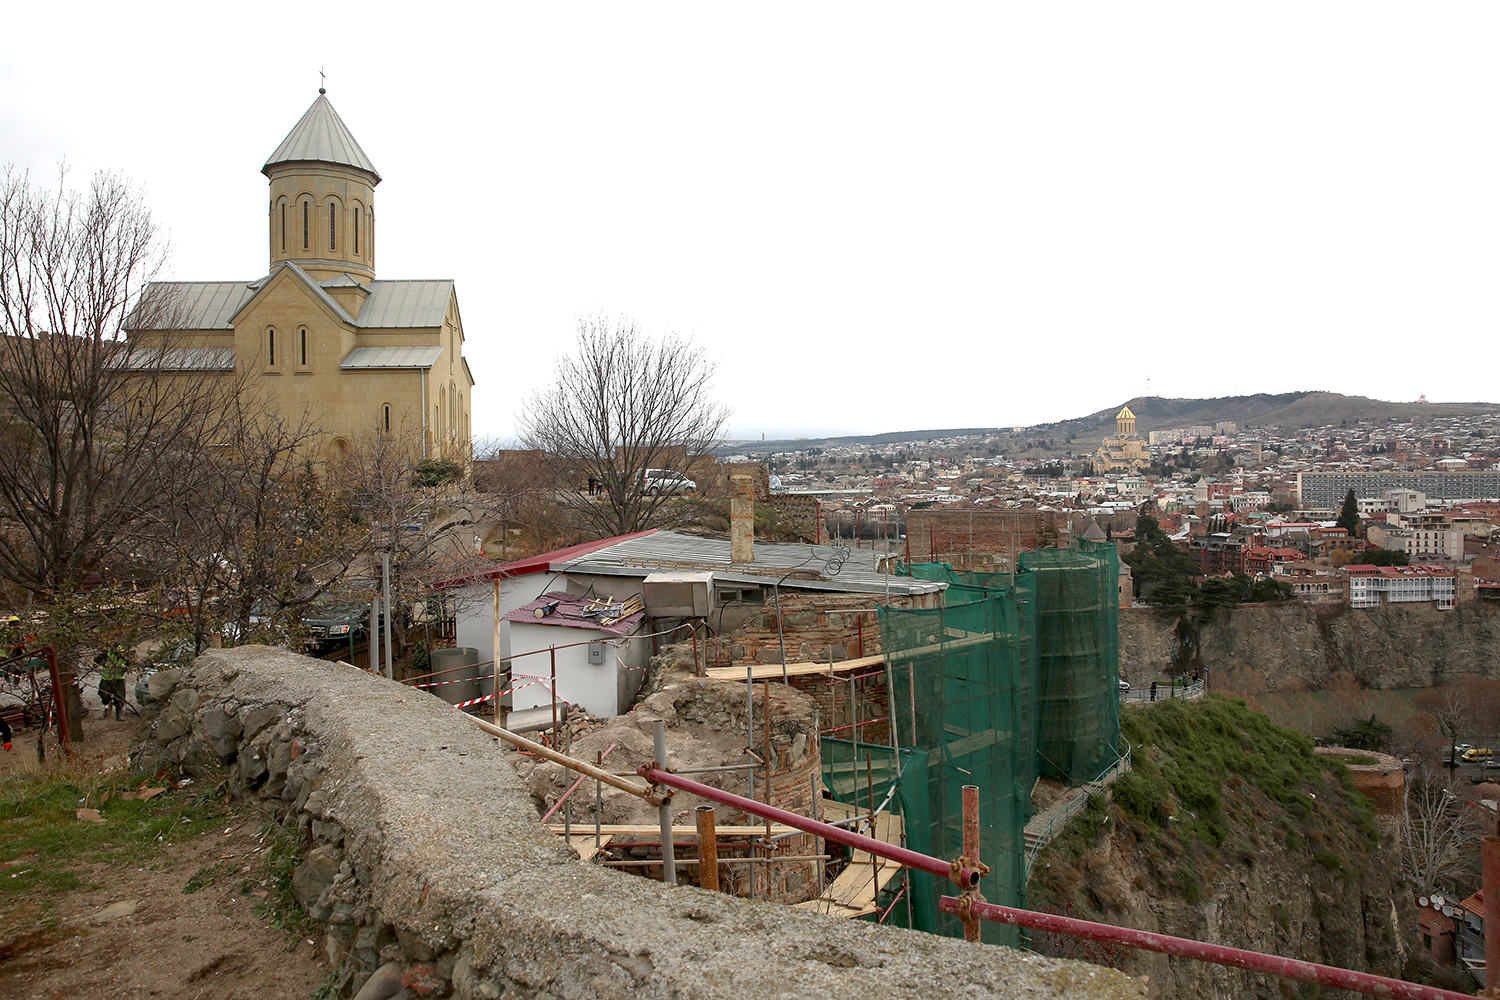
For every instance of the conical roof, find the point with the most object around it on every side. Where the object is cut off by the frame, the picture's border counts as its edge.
(321, 136)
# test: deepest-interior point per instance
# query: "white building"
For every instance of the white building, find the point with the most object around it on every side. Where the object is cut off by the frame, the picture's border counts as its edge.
(1372, 586)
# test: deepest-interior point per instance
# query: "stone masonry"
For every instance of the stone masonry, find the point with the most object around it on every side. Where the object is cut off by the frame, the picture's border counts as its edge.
(424, 856)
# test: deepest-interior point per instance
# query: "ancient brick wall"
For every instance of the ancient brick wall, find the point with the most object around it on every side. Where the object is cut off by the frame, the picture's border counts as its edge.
(983, 540)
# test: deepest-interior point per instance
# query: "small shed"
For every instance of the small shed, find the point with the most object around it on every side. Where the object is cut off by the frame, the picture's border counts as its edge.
(600, 657)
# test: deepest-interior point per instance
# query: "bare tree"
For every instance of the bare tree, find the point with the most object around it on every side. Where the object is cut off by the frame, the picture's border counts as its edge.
(1459, 706)
(620, 404)
(1440, 834)
(96, 434)
(260, 536)
(420, 514)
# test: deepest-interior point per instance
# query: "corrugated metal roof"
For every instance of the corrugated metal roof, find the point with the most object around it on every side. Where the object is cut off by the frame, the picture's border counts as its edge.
(391, 357)
(657, 551)
(321, 136)
(182, 359)
(417, 303)
(190, 305)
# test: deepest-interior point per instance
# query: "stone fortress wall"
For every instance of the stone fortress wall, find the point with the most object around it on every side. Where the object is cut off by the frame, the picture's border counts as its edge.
(424, 855)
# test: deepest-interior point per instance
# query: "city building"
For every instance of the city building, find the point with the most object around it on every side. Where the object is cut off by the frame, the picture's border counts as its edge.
(1326, 490)
(1373, 586)
(319, 335)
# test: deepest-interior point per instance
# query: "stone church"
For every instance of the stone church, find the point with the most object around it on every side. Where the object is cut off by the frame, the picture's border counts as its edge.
(1125, 452)
(319, 334)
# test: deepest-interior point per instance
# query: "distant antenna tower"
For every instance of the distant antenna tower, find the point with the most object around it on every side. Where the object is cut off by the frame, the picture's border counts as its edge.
(1148, 384)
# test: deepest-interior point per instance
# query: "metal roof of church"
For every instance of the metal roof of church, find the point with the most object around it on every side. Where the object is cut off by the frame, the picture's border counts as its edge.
(211, 305)
(322, 137)
(392, 357)
(414, 303)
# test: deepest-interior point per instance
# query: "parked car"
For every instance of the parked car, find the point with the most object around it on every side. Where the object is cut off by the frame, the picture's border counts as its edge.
(1124, 685)
(666, 481)
(331, 626)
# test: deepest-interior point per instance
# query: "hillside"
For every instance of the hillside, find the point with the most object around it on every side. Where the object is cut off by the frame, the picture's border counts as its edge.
(1287, 410)
(1229, 829)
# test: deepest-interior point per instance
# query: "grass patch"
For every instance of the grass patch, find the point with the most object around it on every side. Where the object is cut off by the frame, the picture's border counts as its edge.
(282, 856)
(43, 843)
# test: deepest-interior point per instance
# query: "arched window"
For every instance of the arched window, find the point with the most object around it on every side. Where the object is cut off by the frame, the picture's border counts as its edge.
(333, 225)
(306, 210)
(302, 338)
(385, 415)
(271, 347)
(356, 228)
(283, 226)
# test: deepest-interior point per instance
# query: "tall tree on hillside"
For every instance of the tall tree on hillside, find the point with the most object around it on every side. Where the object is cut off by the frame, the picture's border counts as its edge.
(620, 404)
(1349, 514)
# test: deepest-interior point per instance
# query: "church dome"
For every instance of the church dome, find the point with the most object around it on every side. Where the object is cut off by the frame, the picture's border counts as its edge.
(321, 137)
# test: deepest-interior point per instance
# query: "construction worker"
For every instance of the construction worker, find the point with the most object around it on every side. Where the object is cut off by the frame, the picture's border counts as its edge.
(112, 667)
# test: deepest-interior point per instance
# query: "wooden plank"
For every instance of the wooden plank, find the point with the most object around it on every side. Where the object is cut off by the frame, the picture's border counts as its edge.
(636, 830)
(853, 893)
(772, 671)
(585, 845)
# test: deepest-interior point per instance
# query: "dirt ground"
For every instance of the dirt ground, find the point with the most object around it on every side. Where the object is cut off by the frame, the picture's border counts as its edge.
(134, 931)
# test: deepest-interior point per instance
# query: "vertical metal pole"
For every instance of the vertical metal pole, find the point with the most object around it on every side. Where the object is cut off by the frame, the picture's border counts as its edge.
(568, 803)
(854, 709)
(598, 805)
(664, 811)
(708, 849)
(780, 633)
(372, 642)
(385, 574)
(499, 719)
(766, 694)
(817, 814)
(971, 849)
(750, 743)
(1491, 884)
(556, 733)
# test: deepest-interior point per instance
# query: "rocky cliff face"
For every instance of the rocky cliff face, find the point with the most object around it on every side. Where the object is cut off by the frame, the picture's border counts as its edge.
(1228, 830)
(1282, 647)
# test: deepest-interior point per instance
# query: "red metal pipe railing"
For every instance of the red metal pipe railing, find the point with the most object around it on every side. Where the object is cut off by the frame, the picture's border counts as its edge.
(1254, 961)
(964, 878)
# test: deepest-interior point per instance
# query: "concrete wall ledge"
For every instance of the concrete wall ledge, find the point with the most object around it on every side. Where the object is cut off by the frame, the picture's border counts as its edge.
(424, 856)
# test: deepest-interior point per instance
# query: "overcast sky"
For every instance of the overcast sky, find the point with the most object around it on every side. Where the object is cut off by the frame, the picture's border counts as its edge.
(873, 217)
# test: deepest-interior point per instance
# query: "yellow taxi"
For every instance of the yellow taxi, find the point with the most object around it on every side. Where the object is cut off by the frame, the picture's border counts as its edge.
(1476, 754)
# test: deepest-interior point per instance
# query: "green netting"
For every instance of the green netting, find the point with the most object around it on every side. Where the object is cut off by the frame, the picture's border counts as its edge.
(1014, 676)
(1077, 659)
(961, 695)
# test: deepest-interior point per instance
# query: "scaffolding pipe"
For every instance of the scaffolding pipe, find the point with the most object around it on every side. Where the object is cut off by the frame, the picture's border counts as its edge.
(708, 849)
(971, 853)
(1254, 961)
(664, 811)
(963, 877)
(573, 787)
(577, 765)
